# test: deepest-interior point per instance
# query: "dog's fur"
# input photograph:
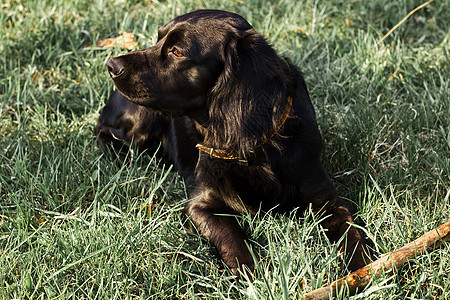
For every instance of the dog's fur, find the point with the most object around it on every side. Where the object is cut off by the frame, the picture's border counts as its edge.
(212, 79)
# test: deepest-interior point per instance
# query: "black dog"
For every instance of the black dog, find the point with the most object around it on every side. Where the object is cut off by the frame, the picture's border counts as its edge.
(235, 119)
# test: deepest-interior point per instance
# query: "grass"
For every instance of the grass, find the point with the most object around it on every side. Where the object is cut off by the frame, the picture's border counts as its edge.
(76, 225)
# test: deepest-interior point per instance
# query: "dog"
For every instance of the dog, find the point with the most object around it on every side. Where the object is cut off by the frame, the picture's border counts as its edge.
(214, 99)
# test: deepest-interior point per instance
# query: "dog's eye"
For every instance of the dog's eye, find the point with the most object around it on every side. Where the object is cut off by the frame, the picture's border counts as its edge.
(176, 52)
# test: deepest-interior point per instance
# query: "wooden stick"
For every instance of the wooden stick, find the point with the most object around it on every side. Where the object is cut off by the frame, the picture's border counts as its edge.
(357, 280)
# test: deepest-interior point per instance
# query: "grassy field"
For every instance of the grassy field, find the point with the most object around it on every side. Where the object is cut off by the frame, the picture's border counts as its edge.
(75, 225)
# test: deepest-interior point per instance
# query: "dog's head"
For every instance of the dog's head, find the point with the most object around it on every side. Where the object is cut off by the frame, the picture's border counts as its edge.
(178, 72)
(211, 60)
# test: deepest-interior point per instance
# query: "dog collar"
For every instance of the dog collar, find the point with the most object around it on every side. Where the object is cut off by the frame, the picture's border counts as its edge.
(223, 154)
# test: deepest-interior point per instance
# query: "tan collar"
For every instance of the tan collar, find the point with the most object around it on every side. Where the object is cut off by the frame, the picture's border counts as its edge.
(223, 154)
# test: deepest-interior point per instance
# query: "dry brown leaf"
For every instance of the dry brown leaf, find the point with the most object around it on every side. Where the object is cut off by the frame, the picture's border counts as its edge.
(124, 41)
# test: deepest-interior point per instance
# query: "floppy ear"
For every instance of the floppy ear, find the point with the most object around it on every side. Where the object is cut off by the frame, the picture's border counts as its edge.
(249, 96)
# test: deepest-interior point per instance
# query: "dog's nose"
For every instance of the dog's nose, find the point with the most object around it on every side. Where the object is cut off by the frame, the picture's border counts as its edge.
(115, 67)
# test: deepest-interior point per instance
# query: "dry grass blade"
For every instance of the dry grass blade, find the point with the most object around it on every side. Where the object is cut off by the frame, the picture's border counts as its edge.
(403, 20)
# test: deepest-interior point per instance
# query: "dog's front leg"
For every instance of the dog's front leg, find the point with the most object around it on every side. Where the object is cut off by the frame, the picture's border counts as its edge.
(338, 224)
(207, 211)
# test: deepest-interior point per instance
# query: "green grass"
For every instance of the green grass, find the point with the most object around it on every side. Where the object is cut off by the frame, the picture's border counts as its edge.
(76, 225)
